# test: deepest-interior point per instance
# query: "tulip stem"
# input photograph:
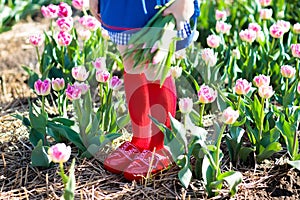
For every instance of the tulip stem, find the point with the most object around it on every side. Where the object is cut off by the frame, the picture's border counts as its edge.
(218, 145)
(297, 69)
(62, 174)
(201, 114)
(286, 85)
(63, 58)
(261, 119)
(39, 59)
(239, 103)
(43, 104)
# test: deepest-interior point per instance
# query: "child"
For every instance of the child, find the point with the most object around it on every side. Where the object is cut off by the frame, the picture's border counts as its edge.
(144, 97)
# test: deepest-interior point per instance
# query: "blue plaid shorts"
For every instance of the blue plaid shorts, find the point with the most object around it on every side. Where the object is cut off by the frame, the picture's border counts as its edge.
(122, 38)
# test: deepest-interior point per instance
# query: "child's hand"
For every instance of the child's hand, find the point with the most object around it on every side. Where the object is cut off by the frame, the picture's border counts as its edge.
(182, 10)
(94, 6)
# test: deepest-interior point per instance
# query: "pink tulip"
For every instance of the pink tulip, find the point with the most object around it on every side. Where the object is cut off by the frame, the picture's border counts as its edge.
(100, 63)
(266, 14)
(159, 56)
(176, 71)
(265, 92)
(209, 57)
(105, 34)
(242, 86)
(296, 28)
(180, 54)
(229, 116)
(287, 71)
(73, 92)
(213, 41)
(37, 39)
(221, 15)
(265, 3)
(206, 94)
(80, 4)
(261, 80)
(102, 76)
(50, 11)
(285, 25)
(59, 153)
(155, 47)
(64, 38)
(247, 35)
(89, 22)
(42, 88)
(79, 73)
(65, 23)
(222, 27)
(254, 27)
(298, 88)
(185, 105)
(236, 53)
(276, 31)
(82, 86)
(58, 84)
(64, 10)
(295, 50)
(115, 83)
(260, 37)
(84, 34)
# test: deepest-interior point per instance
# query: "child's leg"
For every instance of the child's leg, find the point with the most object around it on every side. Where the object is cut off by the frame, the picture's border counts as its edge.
(162, 101)
(137, 97)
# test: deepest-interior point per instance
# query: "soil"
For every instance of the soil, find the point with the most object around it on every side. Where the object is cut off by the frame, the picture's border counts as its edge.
(19, 180)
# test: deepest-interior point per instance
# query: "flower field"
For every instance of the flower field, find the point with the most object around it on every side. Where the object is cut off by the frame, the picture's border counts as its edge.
(63, 110)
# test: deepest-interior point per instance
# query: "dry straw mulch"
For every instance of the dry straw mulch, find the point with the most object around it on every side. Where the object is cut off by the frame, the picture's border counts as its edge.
(19, 180)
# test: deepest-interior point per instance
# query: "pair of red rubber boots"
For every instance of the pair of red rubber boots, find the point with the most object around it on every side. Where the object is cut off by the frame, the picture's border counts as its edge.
(136, 164)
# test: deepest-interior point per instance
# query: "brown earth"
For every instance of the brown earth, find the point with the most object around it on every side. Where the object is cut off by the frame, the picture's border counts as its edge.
(19, 180)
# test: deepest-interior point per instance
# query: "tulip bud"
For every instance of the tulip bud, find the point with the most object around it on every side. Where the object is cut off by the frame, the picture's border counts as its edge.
(36, 40)
(65, 23)
(73, 92)
(79, 73)
(229, 116)
(115, 83)
(213, 41)
(64, 38)
(100, 63)
(222, 27)
(102, 76)
(287, 71)
(80, 4)
(50, 11)
(265, 92)
(206, 94)
(261, 80)
(185, 105)
(82, 86)
(242, 87)
(296, 28)
(176, 71)
(42, 88)
(221, 15)
(64, 10)
(209, 57)
(248, 35)
(265, 3)
(295, 50)
(266, 14)
(58, 84)
(59, 153)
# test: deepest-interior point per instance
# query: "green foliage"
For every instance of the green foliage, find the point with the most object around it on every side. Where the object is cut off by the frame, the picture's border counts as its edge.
(70, 183)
